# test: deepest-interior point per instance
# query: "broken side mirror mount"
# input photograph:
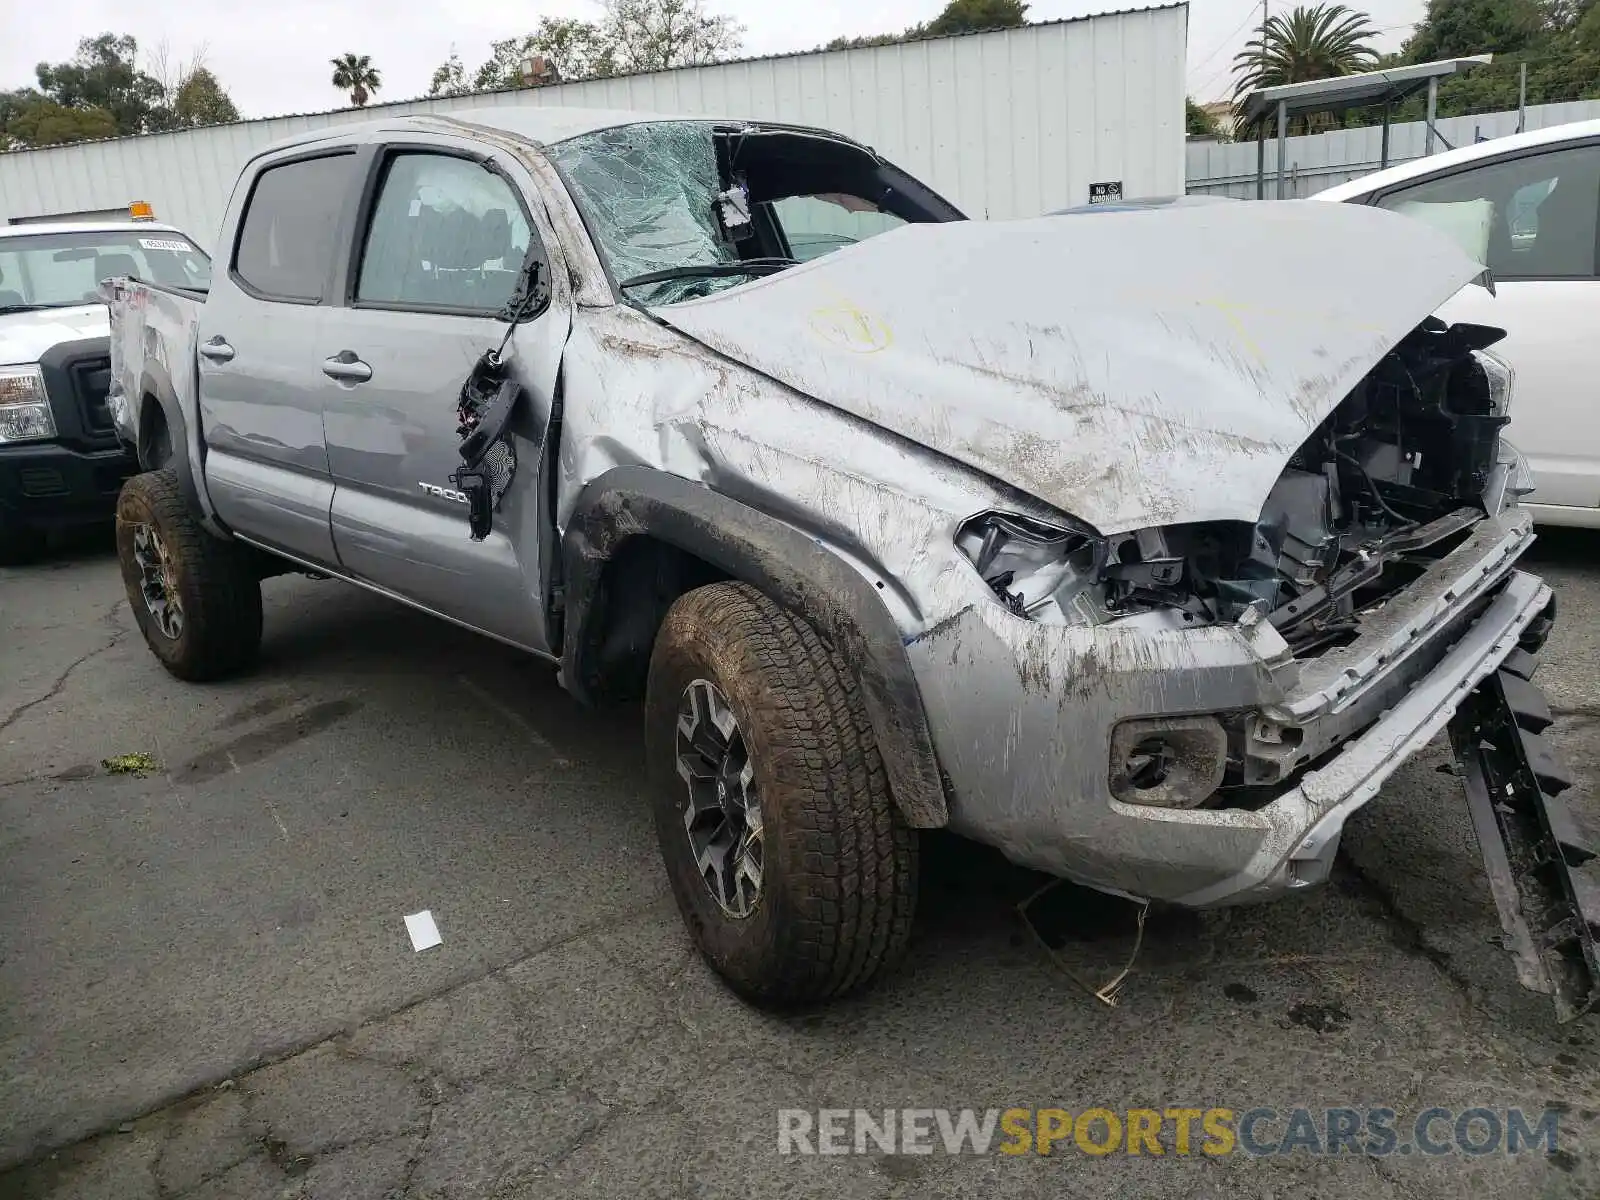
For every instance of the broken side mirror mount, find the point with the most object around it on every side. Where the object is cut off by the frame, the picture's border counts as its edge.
(485, 406)
(488, 461)
(731, 207)
(531, 299)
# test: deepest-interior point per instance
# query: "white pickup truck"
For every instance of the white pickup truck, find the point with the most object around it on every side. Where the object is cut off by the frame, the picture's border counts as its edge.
(1144, 548)
(61, 463)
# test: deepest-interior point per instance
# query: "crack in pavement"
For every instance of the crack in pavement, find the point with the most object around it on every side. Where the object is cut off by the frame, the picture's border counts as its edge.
(256, 1063)
(415, 1159)
(1407, 933)
(61, 680)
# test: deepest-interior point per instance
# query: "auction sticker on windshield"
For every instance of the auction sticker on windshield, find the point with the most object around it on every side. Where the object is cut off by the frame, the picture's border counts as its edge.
(166, 244)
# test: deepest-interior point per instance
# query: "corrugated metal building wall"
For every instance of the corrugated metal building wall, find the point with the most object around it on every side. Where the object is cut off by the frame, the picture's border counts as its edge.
(1321, 160)
(1004, 124)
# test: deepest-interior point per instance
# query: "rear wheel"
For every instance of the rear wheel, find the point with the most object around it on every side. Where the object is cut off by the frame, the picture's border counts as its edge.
(197, 598)
(786, 855)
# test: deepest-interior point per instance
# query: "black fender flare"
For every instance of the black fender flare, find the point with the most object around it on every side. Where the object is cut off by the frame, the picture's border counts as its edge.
(789, 565)
(156, 385)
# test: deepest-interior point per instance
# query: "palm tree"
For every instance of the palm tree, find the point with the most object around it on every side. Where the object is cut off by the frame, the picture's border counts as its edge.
(1309, 43)
(356, 74)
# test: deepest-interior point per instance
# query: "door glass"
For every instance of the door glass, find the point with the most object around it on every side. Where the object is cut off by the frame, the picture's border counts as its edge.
(1532, 217)
(814, 225)
(445, 234)
(286, 245)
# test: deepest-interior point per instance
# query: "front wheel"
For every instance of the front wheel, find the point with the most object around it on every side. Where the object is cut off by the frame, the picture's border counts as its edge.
(197, 598)
(787, 857)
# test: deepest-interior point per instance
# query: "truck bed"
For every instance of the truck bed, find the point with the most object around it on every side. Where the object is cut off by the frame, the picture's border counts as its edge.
(153, 335)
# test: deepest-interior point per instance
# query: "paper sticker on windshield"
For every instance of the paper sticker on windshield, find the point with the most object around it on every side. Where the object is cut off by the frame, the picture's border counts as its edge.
(165, 244)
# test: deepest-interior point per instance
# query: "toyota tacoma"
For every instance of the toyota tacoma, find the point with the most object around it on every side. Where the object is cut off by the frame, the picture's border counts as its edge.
(1144, 548)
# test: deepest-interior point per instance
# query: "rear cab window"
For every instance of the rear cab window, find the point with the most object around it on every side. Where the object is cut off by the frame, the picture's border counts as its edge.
(287, 239)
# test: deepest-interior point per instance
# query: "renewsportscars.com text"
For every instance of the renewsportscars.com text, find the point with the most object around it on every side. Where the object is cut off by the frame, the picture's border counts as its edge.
(1180, 1131)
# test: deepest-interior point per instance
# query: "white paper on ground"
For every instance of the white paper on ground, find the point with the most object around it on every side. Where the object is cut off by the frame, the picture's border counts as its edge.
(423, 931)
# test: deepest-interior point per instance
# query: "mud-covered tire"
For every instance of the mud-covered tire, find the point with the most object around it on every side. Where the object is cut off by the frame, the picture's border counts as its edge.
(840, 866)
(216, 587)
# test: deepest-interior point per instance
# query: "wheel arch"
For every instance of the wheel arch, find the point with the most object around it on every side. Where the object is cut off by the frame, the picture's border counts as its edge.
(634, 519)
(159, 414)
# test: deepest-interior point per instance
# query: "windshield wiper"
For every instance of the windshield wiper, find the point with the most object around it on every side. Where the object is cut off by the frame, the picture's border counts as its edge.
(748, 266)
(16, 308)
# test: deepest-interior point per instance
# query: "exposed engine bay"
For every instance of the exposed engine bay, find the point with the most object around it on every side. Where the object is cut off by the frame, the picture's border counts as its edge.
(1392, 480)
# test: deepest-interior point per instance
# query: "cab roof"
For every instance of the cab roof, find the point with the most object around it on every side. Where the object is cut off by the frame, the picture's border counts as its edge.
(1550, 135)
(34, 229)
(540, 125)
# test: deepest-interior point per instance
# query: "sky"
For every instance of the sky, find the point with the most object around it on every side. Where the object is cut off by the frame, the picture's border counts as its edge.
(272, 56)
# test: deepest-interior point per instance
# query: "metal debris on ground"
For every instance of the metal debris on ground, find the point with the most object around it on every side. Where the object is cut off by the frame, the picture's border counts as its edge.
(1109, 992)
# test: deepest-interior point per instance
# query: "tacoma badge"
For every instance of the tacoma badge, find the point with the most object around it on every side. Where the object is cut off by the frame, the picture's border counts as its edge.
(443, 493)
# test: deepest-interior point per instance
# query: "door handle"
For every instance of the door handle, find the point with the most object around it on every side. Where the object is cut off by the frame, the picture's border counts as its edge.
(217, 350)
(346, 367)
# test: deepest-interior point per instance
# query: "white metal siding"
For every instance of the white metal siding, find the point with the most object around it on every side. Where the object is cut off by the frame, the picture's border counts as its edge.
(1004, 124)
(1321, 160)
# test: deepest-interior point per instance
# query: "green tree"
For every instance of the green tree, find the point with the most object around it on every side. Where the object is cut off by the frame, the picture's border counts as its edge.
(1557, 40)
(104, 74)
(354, 73)
(1197, 122)
(46, 123)
(1308, 43)
(200, 100)
(1456, 28)
(653, 35)
(970, 16)
(12, 105)
(1586, 32)
(958, 16)
(877, 39)
(574, 49)
(633, 35)
(450, 78)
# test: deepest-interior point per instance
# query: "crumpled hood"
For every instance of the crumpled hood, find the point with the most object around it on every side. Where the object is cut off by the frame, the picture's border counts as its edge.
(1130, 368)
(24, 336)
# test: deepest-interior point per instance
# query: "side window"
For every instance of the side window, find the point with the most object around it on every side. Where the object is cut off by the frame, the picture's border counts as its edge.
(1534, 217)
(445, 234)
(814, 225)
(286, 242)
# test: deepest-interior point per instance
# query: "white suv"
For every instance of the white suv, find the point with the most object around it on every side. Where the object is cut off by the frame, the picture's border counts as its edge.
(1528, 206)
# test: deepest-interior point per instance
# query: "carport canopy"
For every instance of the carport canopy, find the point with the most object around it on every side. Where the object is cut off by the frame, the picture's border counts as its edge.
(1387, 87)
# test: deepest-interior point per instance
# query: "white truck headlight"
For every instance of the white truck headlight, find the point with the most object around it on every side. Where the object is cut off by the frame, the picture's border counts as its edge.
(24, 408)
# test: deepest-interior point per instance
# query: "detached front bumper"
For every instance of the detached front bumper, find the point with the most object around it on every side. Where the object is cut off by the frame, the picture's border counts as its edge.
(1023, 714)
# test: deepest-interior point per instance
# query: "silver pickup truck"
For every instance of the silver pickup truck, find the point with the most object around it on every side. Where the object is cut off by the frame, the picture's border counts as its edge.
(1143, 548)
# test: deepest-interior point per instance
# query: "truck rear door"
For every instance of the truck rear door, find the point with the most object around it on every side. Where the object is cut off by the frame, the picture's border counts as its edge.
(440, 242)
(261, 379)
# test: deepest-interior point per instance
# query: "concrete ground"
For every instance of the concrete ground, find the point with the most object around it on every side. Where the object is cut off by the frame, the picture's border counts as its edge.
(206, 988)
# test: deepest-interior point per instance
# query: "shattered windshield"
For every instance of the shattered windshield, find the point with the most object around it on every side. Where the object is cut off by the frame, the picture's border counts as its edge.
(647, 192)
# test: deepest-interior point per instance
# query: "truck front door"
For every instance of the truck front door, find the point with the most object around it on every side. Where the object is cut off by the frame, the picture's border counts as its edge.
(441, 241)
